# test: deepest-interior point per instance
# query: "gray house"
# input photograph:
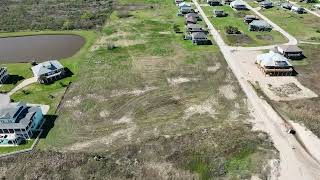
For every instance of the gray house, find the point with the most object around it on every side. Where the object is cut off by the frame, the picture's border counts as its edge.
(186, 10)
(48, 71)
(3, 74)
(194, 28)
(199, 38)
(290, 51)
(191, 20)
(219, 13)
(259, 25)
(249, 18)
(214, 2)
(266, 4)
(18, 122)
(195, 15)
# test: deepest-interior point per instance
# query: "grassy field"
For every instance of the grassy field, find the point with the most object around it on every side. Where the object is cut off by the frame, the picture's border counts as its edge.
(305, 27)
(47, 94)
(153, 106)
(27, 145)
(247, 38)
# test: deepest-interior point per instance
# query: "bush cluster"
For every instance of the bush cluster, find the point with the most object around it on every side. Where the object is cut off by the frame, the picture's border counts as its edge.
(19, 15)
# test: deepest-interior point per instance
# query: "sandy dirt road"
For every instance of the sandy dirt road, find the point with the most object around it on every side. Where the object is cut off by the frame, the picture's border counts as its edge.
(295, 161)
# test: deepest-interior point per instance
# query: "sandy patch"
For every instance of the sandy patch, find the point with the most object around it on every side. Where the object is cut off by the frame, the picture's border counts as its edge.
(134, 92)
(124, 120)
(167, 171)
(104, 113)
(228, 92)
(207, 107)
(179, 80)
(278, 88)
(165, 32)
(214, 68)
(97, 97)
(75, 101)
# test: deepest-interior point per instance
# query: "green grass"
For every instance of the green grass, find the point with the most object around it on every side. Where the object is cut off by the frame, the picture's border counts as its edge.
(27, 145)
(42, 94)
(302, 26)
(248, 38)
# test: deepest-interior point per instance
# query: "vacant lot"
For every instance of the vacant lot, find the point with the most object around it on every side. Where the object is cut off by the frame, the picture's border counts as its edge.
(54, 14)
(306, 111)
(305, 27)
(246, 38)
(153, 106)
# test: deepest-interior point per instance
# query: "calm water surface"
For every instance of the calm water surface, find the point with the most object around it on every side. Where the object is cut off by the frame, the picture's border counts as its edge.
(39, 47)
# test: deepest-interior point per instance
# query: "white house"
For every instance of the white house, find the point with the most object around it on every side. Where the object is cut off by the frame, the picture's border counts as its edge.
(48, 71)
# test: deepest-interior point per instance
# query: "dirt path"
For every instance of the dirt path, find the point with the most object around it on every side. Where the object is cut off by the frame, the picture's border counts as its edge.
(296, 163)
(23, 84)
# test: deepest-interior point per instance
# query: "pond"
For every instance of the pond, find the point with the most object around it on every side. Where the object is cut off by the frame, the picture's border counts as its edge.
(39, 47)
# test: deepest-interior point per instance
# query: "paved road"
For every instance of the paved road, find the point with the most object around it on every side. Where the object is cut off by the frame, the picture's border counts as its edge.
(296, 163)
(23, 84)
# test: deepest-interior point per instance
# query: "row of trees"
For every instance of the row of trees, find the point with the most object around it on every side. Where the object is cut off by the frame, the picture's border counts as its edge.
(19, 15)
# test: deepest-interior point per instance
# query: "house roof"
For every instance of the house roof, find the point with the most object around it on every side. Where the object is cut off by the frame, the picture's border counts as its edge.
(184, 4)
(192, 15)
(273, 59)
(191, 19)
(237, 3)
(194, 26)
(266, 2)
(46, 67)
(199, 35)
(260, 23)
(16, 115)
(290, 48)
(251, 17)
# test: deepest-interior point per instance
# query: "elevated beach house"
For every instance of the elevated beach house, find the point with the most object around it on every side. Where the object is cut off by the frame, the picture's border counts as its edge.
(290, 51)
(260, 25)
(194, 28)
(18, 122)
(274, 64)
(3, 74)
(238, 5)
(48, 71)
(199, 38)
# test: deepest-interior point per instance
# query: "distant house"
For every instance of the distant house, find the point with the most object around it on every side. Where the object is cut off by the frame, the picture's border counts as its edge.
(219, 13)
(249, 18)
(238, 5)
(48, 71)
(191, 20)
(290, 51)
(195, 15)
(214, 2)
(184, 4)
(186, 10)
(297, 9)
(194, 28)
(226, 2)
(18, 122)
(178, 1)
(3, 75)
(199, 38)
(266, 4)
(259, 25)
(274, 64)
(316, 6)
(287, 5)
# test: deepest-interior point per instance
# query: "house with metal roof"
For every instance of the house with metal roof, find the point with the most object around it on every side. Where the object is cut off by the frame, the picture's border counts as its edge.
(195, 15)
(214, 2)
(18, 122)
(266, 4)
(186, 10)
(194, 28)
(184, 4)
(298, 9)
(274, 64)
(249, 18)
(191, 20)
(3, 75)
(290, 51)
(199, 38)
(259, 25)
(238, 5)
(286, 5)
(48, 71)
(219, 13)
